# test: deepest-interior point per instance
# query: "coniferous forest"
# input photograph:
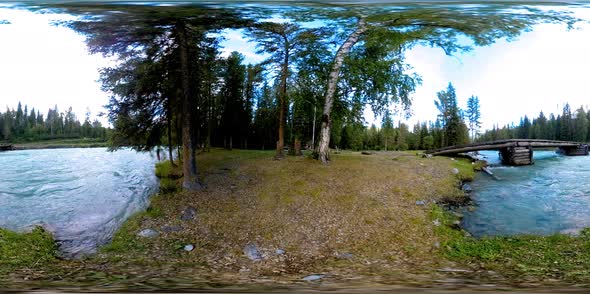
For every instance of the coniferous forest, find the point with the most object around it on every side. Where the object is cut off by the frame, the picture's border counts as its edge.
(24, 125)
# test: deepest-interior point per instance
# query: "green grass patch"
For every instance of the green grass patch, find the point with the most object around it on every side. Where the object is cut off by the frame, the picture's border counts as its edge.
(169, 176)
(32, 250)
(125, 239)
(465, 168)
(557, 256)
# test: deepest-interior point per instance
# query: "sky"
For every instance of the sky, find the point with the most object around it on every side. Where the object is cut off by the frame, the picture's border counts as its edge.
(43, 65)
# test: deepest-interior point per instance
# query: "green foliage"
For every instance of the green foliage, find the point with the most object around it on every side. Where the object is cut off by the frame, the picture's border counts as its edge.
(454, 128)
(20, 125)
(33, 250)
(169, 176)
(566, 126)
(473, 116)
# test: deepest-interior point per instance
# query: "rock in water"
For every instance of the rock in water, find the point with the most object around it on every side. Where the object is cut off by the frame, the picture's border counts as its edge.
(188, 213)
(311, 278)
(148, 233)
(251, 251)
(189, 247)
(467, 188)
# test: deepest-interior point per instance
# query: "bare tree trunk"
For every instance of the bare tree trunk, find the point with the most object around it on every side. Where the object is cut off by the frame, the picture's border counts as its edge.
(169, 126)
(189, 164)
(282, 104)
(297, 146)
(324, 140)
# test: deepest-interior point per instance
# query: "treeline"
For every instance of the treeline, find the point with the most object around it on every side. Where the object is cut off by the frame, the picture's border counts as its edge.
(23, 125)
(452, 126)
(567, 126)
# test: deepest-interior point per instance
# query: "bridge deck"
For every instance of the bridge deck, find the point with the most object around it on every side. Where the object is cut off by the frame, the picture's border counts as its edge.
(499, 144)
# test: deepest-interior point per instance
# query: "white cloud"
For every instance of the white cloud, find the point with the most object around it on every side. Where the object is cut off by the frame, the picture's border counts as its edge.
(43, 65)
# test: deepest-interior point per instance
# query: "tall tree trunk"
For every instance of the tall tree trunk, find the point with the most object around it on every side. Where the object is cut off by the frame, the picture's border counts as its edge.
(169, 126)
(282, 103)
(189, 164)
(324, 140)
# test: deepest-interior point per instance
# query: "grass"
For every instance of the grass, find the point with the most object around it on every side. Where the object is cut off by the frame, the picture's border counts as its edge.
(33, 250)
(169, 176)
(357, 219)
(557, 257)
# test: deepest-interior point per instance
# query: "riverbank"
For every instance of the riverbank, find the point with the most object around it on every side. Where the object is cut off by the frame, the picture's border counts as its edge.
(363, 221)
(60, 143)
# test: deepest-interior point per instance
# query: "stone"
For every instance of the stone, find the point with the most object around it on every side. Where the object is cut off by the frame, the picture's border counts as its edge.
(420, 202)
(148, 233)
(252, 252)
(455, 171)
(453, 270)
(188, 213)
(170, 229)
(437, 244)
(345, 256)
(427, 156)
(311, 278)
(436, 222)
(189, 247)
(467, 188)
(279, 252)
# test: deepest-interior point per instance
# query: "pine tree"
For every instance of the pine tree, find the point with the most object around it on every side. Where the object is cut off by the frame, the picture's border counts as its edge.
(473, 116)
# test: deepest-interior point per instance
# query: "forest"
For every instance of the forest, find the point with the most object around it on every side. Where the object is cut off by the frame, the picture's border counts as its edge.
(172, 86)
(567, 126)
(22, 125)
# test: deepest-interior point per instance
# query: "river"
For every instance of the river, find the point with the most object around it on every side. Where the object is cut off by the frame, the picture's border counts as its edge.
(83, 195)
(551, 196)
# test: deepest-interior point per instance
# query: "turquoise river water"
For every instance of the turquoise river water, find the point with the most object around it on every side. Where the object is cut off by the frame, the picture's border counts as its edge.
(81, 195)
(551, 196)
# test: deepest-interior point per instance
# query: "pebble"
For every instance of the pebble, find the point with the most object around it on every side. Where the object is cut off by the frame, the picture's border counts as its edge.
(148, 233)
(251, 251)
(169, 229)
(420, 202)
(311, 278)
(455, 171)
(280, 251)
(436, 222)
(189, 247)
(188, 213)
(467, 188)
(345, 256)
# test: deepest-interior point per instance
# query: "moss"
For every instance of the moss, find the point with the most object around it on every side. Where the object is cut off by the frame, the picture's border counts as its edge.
(33, 250)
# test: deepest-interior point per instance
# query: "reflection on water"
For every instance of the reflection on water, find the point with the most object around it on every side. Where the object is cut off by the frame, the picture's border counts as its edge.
(82, 194)
(551, 196)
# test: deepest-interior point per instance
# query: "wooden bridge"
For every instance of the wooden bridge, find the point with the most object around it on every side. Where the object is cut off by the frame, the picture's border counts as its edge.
(515, 151)
(5, 147)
